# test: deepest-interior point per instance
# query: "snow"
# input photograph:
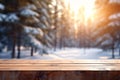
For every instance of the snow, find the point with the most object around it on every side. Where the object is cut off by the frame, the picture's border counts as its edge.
(106, 39)
(11, 18)
(33, 30)
(35, 42)
(42, 26)
(28, 12)
(76, 53)
(24, 55)
(106, 42)
(43, 18)
(114, 16)
(115, 23)
(2, 17)
(65, 54)
(48, 38)
(2, 7)
(114, 1)
(44, 11)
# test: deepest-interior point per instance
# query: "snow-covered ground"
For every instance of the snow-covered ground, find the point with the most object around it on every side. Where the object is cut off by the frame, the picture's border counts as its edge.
(91, 53)
(66, 53)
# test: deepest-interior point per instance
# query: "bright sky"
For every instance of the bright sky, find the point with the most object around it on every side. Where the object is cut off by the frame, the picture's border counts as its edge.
(86, 5)
(82, 11)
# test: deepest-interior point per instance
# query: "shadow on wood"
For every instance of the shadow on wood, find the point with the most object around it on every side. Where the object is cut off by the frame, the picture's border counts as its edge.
(59, 75)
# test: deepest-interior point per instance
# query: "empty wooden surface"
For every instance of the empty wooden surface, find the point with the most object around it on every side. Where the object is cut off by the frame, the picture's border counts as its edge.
(44, 65)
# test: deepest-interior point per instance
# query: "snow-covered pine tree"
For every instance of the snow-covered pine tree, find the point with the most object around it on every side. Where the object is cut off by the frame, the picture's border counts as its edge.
(29, 22)
(28, 19)
(9, 23)
(2, 29)
(39, 20)
(107, 28)
(45, 23)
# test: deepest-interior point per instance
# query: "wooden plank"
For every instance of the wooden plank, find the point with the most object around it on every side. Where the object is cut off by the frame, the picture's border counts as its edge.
(15, 64)
(22, 61)
(60, 75)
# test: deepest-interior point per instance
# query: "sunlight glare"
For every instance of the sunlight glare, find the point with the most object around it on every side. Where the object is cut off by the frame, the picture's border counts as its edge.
(86, 5)
(81, 11)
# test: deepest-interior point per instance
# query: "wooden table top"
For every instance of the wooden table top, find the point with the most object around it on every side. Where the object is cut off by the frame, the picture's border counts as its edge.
(59, 65)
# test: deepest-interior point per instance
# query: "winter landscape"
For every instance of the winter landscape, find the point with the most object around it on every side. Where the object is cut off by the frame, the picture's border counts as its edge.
(59, 29)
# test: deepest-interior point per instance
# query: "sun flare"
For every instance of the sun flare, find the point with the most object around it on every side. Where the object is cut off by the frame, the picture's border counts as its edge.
(85, 6)
(81, 13)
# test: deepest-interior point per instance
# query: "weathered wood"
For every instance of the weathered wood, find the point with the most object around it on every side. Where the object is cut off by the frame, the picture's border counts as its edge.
(15, 64)
(59, 75)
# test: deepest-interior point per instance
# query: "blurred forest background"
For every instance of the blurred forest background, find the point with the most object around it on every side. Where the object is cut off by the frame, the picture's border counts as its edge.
(40, 25)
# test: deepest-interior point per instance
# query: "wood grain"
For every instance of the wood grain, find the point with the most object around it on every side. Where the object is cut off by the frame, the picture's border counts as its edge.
(45, 65)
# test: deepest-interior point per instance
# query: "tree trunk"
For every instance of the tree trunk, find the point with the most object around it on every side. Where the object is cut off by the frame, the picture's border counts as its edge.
(55, 24)
(18, 47)
(119, 47)
(113, 51)
(55, 41)
(31, 51)
(119, 51)
(9, 48)
(13, 48)
(61, 43)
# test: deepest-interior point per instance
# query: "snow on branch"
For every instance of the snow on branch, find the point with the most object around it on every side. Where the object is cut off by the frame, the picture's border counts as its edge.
(2, 7)
(41, 25)
(35, 42)
(2, 17)
(115, 23)
(114, 16)
(48, 38)
(44, 11)
(8, 17)
(33, 30)
(11, 18)
(106, 42)
(28, 12)
(114, 1)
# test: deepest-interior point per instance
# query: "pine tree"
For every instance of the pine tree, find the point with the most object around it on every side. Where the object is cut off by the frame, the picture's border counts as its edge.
(27, 23)
(107, 30)
(9, 22)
